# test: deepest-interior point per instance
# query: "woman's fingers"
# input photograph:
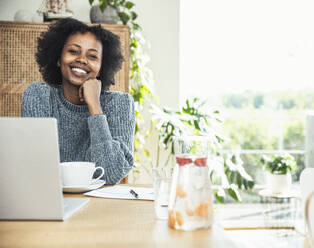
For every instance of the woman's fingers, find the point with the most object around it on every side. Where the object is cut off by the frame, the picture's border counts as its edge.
(91, 91)
(81, 95)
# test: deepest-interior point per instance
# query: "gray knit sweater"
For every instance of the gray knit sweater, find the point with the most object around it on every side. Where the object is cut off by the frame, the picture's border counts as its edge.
(105, 139)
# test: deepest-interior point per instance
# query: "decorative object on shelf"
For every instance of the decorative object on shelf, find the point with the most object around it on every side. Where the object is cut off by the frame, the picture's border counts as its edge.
(55, 9)
(23, 15)
(278, 168)
(108, 16)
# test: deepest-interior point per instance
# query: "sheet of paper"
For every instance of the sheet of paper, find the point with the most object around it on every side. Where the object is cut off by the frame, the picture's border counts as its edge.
(123, 192)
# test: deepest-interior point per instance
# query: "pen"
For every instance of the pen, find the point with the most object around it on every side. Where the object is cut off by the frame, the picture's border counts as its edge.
(134, 193)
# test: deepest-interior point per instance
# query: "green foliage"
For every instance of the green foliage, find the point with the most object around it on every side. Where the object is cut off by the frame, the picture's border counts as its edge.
(228, 174)
(279, 164)
(251, 133)
(235, 101)
(258, 101)
(235, 172)
(141, 81)
(258, 124)
(284, 99)
(191, 120)
(254, 130)
(294, 135)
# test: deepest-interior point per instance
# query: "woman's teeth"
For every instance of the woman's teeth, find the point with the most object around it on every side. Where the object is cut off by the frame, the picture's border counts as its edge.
(79, 70)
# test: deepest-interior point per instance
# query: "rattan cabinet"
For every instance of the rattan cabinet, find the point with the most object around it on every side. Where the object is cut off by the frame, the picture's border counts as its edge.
(18, 68)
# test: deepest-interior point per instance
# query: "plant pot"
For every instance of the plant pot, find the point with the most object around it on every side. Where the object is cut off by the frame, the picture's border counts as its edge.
(109, 16)
(278, 183)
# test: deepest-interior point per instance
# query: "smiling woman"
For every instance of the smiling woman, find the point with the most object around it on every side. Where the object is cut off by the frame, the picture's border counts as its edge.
(78, 63)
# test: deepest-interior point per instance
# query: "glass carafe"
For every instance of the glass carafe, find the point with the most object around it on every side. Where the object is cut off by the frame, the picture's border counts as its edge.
(190, 204)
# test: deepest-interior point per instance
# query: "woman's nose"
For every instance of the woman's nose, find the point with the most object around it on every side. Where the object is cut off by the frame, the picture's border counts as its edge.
(82, 59)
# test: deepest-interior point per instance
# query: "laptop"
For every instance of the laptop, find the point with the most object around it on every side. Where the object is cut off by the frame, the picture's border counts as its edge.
(30, 182)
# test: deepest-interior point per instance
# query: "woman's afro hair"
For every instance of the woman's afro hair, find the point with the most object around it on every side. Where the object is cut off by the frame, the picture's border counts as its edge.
(51, 43)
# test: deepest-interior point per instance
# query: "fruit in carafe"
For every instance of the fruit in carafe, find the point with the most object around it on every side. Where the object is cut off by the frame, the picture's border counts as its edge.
(183, 161)
(202, 209)
(171, 219)
(188, 159)
(179, 218)
(180, 191)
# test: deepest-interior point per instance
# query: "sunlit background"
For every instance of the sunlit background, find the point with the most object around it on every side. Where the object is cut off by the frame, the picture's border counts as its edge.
(254, 61)
(230, 46)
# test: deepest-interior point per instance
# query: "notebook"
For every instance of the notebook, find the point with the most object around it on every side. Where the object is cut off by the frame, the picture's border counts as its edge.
(30, 182)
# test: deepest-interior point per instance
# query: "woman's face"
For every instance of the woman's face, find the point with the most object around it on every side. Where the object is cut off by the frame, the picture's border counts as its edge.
(80, 58)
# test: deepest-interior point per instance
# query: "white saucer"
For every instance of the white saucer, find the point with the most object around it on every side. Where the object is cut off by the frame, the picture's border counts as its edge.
(83, 188)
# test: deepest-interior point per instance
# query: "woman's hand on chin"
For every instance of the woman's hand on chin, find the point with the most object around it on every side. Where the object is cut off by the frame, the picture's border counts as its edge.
(89, 93)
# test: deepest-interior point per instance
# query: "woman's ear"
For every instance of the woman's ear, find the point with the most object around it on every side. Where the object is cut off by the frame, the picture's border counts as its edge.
(58, 63)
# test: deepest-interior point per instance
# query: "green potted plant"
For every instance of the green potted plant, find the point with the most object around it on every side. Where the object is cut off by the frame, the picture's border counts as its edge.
(278, 168)
(111, 11)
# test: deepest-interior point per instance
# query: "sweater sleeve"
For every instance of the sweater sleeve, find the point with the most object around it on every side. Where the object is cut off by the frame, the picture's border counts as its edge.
(112, 137)
(35, 101)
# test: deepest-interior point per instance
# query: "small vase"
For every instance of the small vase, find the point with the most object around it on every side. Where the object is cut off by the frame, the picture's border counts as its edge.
(109, 16)
(279, 183)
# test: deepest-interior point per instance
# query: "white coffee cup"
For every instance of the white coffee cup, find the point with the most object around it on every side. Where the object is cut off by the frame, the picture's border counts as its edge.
(78, 173)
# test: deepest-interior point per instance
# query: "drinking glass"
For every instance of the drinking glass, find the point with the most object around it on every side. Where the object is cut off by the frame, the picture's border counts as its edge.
(162, 191)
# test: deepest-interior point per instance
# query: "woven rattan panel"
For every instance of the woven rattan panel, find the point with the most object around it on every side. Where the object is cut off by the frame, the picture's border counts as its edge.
(18, 67)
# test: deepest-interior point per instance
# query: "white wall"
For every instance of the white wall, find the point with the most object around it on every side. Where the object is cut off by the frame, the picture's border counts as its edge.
(160, 22)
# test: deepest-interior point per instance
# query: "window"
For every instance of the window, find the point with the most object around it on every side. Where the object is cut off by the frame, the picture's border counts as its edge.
(231, 46)
(254, 60)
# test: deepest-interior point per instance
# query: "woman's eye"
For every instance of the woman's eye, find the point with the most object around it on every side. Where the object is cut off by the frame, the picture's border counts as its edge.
(92, 56)
(73, 51)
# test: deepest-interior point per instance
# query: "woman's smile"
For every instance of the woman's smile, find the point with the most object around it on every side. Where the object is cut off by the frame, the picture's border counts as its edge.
(79, 71)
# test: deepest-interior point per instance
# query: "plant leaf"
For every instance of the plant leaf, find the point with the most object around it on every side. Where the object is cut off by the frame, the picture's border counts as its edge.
(234, 193)
(124, 17)
(146, 152)
(133, 15)
(129, 5)
(91, 2)
(239, 180)
(103, 4)
(220, 195)
(136, 26)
